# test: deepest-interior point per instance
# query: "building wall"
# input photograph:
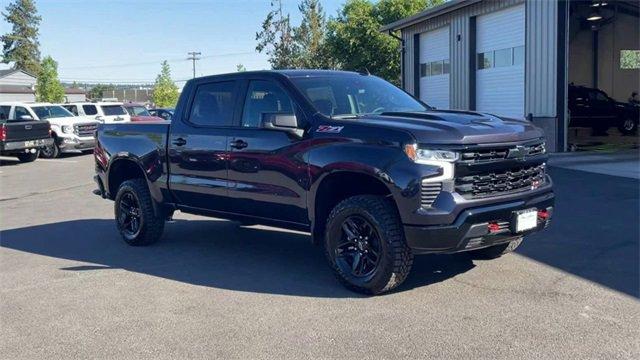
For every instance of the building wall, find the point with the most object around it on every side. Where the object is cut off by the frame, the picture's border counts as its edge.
(541, 67)
(17, 97)
(18, 78)
(75, 97)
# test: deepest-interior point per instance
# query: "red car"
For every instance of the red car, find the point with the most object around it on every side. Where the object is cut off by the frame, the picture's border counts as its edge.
(140, 113)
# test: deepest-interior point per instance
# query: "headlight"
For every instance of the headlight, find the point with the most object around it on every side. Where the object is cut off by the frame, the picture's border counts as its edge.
(67, 129)
(429, 155)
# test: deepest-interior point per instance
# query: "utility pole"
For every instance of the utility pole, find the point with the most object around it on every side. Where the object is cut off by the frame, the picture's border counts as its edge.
(193, 56)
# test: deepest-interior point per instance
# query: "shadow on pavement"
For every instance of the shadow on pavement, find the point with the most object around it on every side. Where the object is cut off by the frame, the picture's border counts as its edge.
(212, 253)
(595, 232)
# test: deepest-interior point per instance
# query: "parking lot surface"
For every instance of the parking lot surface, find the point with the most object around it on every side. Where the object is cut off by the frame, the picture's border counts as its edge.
(71, 288)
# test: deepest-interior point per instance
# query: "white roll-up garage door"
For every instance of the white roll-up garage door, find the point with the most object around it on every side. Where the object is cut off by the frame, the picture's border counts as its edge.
(500, 62)
(434, 67)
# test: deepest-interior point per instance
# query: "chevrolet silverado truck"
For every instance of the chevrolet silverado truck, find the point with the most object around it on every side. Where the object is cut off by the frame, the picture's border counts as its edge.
(374, 175)
(21, 135)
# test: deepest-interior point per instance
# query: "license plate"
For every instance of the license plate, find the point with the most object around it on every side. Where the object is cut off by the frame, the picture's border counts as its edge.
(30, 143)
(526, 220)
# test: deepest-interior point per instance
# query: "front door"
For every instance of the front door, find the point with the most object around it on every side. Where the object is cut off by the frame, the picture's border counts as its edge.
(199, 145)
(266, 173)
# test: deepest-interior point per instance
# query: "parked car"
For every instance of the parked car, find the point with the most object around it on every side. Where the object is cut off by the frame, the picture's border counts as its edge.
(105, 112)
(70, 133)
(166, 113)
(139, 113)
(373, 174)
(593, 108)
(20, 134)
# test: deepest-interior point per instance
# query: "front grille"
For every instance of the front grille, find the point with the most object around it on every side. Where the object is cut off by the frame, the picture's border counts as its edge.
(477, 156)
(501, 181)
(429, 193)
(84, 130)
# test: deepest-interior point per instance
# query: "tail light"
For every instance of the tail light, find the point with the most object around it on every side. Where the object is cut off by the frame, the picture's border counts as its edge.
(3, 132)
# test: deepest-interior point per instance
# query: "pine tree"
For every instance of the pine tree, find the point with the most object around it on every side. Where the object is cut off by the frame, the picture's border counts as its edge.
(21, 45)
(309, 37)
(276, 38)
(165, 91)
(48, 87)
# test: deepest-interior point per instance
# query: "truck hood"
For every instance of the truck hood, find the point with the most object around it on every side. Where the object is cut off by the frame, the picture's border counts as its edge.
(456, 127)
(71, 120)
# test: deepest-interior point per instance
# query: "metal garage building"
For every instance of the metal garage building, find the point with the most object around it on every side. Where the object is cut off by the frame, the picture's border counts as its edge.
(508, 57)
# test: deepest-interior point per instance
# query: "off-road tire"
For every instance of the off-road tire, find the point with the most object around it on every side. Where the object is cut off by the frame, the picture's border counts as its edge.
(396, 257)
(28, 157)
(496, 251)
(151, 225)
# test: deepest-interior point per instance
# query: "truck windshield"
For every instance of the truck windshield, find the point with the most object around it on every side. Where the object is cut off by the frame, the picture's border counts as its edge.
(54, 111)
(352, 96)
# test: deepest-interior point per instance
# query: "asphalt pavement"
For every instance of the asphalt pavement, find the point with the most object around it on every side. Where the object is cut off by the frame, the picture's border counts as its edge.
(71, 288)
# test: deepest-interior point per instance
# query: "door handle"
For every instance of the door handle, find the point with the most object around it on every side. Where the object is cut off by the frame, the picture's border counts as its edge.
(239, 144)
(179, 142)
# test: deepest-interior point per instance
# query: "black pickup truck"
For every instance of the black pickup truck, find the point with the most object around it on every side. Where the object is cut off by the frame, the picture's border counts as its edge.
(22, 137)
(373, 174)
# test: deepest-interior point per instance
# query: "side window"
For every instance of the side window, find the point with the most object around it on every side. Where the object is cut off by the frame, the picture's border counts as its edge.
(264, 97)
(213, 104)
(72, 108)
(20, 111)
(90, 109)
(4, 113)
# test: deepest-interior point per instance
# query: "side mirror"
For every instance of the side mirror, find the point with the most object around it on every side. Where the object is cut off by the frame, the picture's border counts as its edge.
(26, 117)
(282, 121)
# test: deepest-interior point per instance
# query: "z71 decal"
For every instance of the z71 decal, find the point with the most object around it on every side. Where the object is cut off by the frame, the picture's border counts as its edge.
(329, 129)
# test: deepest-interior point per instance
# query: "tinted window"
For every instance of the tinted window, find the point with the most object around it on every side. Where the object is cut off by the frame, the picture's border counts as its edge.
(502, 57)
(264, 97)
(90, 109)
(213, 104)
(72, 108)
(518, 55)
(485, 60)
(4, 112)
(20, 111)
(113, 110)
(46, 112)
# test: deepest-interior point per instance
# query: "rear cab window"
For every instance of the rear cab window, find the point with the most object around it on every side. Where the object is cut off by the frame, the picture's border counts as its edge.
(72, 108)
(213, 104)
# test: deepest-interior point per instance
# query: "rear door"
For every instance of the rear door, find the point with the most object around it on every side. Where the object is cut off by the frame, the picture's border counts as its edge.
(199, 145)
(266, 172)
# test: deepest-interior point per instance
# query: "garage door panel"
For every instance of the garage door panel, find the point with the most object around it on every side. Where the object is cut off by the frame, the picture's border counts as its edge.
(501, 29)
(434, 87)
(502, 91)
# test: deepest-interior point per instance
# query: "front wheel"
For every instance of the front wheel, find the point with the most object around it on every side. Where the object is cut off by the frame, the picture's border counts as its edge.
(28, 157)
(50, 152)
(136, 219)
(365, 245)
(628, 127)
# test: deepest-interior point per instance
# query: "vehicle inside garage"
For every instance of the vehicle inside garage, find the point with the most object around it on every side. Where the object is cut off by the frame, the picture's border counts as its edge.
(603, 75)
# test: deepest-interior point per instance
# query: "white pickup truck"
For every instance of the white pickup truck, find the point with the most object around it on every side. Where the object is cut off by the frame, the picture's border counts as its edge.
(104, 112)
(70, 133)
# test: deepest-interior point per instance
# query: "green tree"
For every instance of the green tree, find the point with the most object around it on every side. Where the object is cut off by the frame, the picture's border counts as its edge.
(48, 87)
(355, 40)
(165, 91)
(21, 45)
(98, 90)
(240, 68)
(309, 37)
(276, 38)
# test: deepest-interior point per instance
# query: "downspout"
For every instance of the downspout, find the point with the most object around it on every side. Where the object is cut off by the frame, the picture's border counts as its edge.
(402, 54)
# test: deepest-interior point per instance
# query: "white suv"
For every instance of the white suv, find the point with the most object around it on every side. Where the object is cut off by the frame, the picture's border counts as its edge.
(105, 112)
(70, 133)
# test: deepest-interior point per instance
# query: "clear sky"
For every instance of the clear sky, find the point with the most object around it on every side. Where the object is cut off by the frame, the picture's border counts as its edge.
(125, 41)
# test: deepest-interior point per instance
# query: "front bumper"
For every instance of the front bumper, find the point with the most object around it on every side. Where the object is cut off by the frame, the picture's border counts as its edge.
(470, 230)
(26, 144)
(76, 143)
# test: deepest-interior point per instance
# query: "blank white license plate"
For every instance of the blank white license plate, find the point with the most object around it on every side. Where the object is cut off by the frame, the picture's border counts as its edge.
(526, 220)
(30, 143)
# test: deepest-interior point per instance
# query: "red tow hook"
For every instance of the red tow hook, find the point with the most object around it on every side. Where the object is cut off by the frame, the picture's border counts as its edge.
(543, 214)
(493, 227)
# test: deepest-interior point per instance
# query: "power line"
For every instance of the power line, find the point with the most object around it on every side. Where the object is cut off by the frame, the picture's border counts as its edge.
(174, 60)
(193, 57)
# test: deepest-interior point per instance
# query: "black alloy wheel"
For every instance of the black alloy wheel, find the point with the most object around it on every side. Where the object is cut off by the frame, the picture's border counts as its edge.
(358, 252)
(129, 219)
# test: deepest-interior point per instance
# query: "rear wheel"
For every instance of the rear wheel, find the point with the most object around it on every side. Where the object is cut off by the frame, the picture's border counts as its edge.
(365, 245)
(50, 152)
(494, 252)
(137, 222)
(28, 157)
